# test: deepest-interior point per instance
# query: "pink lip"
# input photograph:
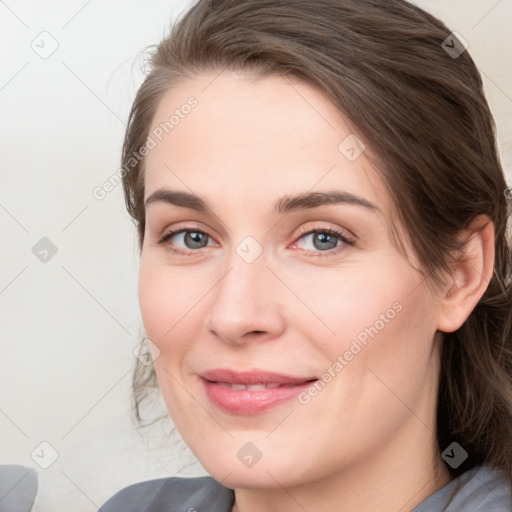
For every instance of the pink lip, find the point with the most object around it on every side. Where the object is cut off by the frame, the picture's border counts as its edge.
(250, 402)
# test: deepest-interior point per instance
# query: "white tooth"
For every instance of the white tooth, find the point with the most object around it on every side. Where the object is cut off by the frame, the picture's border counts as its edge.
(256, 387)
(250, 387)
(236, 387)
(228, 385)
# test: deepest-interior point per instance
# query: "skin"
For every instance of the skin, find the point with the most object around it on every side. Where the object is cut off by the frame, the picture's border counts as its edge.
(367, 440)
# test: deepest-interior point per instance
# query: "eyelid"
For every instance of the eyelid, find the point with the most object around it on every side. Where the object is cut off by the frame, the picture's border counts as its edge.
(304, 230)
(185, 226)
(176, 231)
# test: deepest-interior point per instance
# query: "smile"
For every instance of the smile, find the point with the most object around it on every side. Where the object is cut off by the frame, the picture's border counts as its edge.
(251, 393)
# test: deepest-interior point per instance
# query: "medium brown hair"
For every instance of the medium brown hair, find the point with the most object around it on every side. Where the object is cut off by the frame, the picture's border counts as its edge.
(424, 115)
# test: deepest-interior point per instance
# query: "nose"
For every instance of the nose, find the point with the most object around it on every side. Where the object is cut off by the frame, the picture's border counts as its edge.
(246, 303)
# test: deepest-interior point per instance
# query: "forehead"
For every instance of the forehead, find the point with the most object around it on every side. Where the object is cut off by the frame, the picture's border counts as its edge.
(231, 133)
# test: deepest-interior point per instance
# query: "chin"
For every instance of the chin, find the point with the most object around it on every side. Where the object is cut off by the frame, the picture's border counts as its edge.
(233, 467)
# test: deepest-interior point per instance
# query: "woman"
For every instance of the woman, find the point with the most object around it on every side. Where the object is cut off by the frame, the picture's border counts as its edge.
(325, 273)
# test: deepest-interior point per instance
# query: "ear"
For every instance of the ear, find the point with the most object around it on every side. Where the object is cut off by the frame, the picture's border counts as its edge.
(470, 277)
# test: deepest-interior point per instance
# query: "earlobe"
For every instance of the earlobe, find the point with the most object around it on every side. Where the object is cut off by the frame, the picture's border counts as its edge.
(470, 277)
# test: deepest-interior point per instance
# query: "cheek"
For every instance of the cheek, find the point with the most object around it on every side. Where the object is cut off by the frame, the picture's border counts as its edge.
(379, 357)
(171, 302)
(349, 303)
(382, 319)
(161, 302)
(152, 300)
(389, 342)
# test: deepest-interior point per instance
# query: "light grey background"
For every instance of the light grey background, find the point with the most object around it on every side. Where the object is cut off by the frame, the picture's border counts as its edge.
(68, 326)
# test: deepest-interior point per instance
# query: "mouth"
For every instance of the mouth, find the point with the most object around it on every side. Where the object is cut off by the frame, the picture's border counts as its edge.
(251, 393)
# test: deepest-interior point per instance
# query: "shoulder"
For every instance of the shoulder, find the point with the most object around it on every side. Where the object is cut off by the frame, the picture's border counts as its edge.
(170, 494)
(480, 489)
(484, 489)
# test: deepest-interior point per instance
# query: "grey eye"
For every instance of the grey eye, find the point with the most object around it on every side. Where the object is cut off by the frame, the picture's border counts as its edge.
(324, 241)
(195, 239)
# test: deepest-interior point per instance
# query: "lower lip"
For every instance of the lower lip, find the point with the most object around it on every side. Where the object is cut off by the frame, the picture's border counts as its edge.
(250, 402)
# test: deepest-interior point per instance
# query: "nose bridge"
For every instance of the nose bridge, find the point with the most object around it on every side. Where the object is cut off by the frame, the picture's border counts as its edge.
(245, 298)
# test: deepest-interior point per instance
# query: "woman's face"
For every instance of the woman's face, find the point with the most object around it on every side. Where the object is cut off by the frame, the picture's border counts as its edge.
(295, 342)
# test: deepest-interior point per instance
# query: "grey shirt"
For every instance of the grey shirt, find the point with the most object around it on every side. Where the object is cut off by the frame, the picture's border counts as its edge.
(481, 489)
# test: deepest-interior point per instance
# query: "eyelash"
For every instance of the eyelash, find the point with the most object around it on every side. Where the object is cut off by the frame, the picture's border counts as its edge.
(330, 231)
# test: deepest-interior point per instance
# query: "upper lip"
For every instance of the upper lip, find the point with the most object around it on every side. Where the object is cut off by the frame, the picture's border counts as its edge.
(252, 377)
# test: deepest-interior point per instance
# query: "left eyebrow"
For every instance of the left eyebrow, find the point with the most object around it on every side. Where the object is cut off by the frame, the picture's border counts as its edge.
(314, 199)
(283, 205)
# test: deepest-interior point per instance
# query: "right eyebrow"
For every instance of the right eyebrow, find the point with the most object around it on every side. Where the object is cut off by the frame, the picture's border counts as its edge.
(184, 199)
